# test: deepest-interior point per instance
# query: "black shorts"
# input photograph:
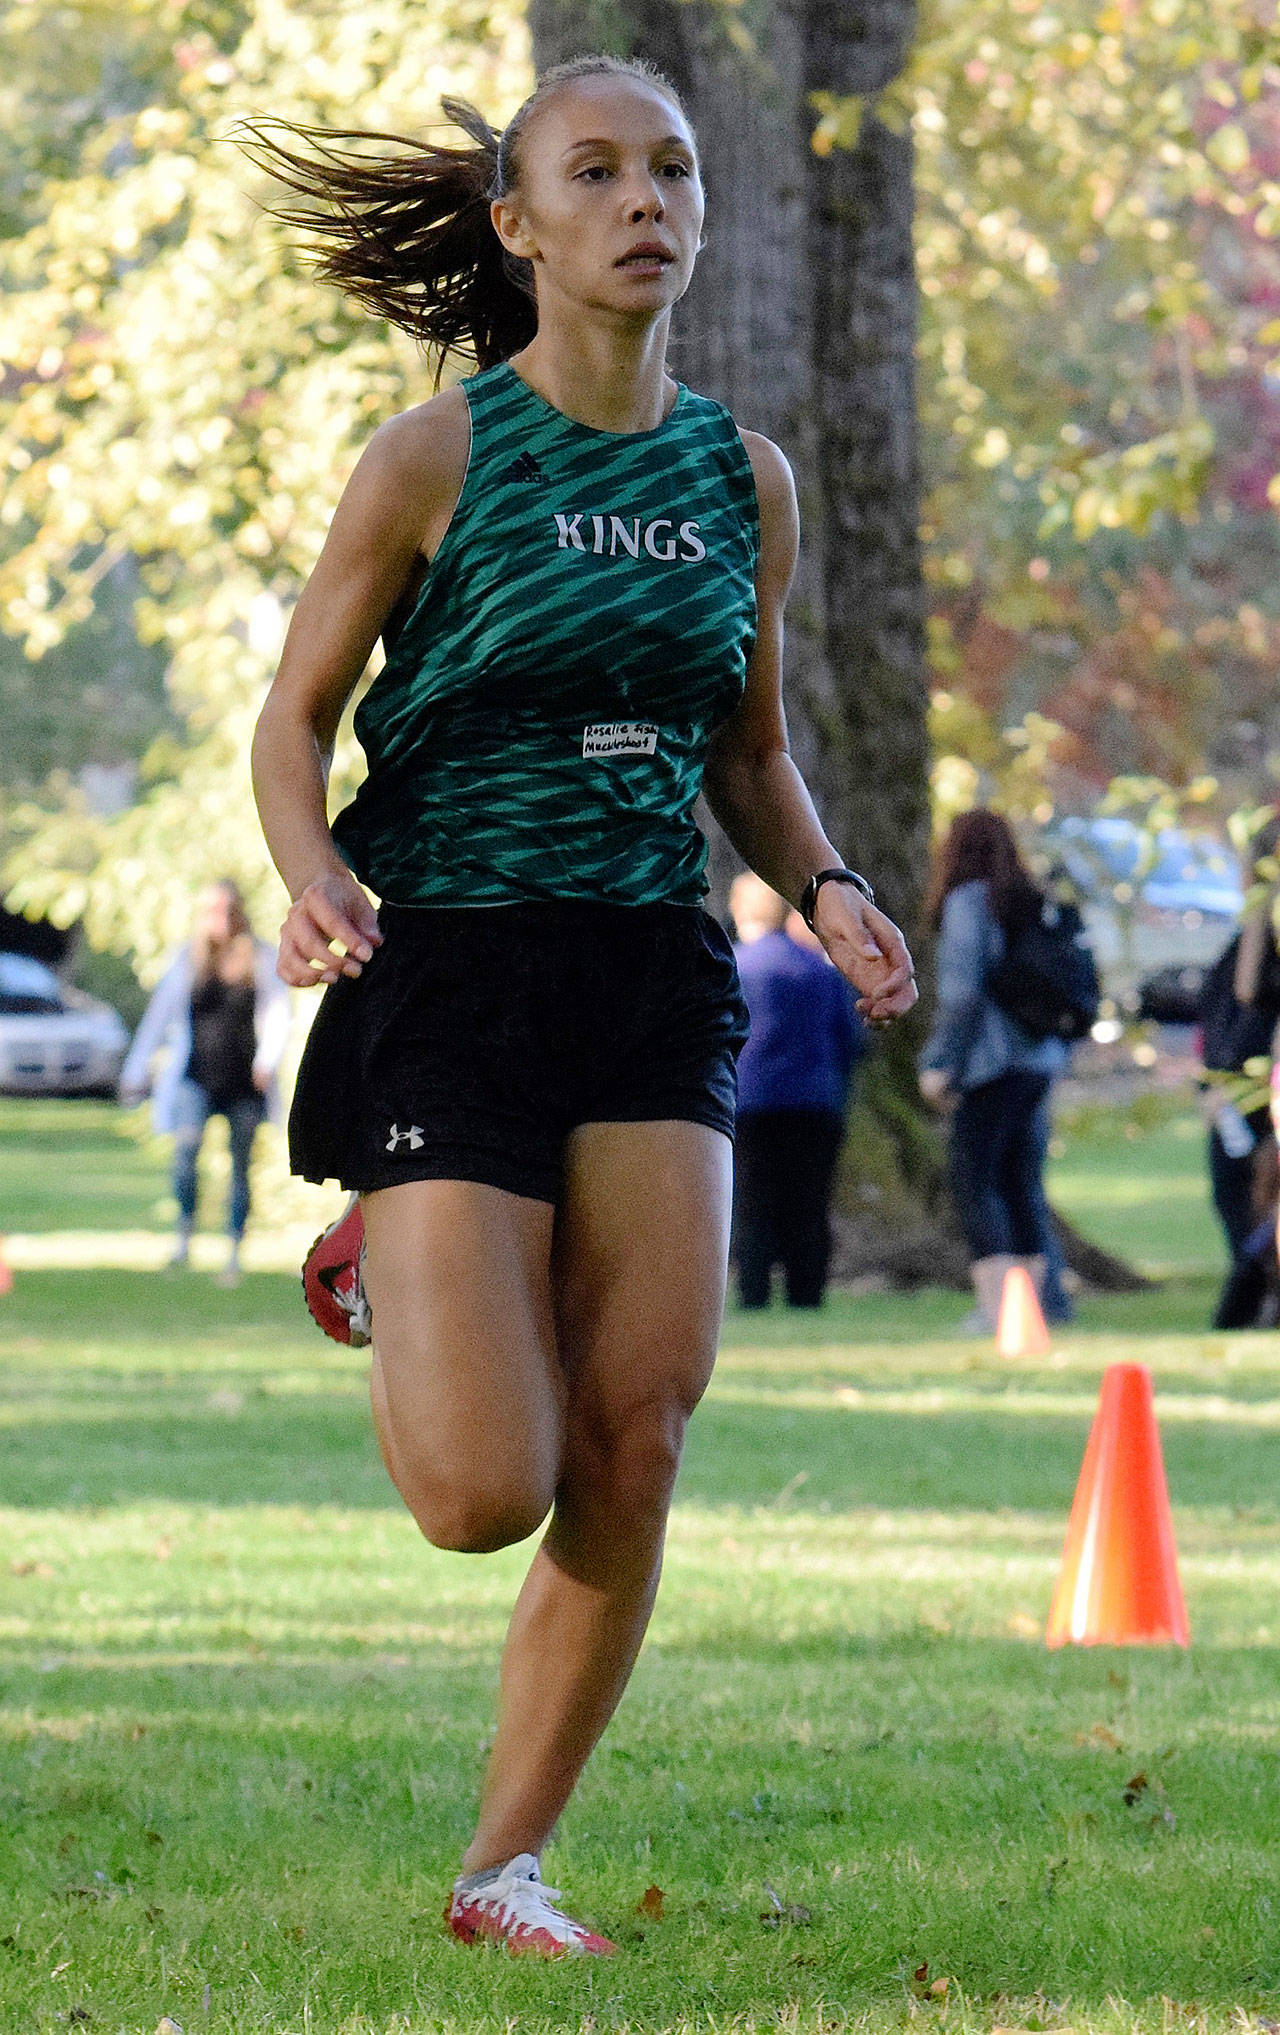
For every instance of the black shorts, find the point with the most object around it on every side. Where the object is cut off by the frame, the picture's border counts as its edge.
(478, 1037)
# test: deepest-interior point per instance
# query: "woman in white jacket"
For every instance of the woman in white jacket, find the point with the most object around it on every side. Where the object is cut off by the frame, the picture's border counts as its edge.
(219, 1019)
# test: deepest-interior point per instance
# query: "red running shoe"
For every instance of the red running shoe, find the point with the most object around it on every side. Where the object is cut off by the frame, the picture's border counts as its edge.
(516, 1909)
(333, 1279)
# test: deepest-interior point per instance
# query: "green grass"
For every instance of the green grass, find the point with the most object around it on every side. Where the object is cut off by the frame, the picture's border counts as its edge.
(243, 1707)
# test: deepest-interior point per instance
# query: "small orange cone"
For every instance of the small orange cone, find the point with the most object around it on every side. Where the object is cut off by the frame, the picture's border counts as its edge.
(1119, 1581)
(6, 1271)
(1020, 1330)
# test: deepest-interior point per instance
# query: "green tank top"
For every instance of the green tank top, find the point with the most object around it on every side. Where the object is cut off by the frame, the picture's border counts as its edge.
(540, 724)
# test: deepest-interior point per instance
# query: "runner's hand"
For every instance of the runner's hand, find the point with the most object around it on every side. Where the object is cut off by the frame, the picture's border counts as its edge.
(868, 950)
(330, 930)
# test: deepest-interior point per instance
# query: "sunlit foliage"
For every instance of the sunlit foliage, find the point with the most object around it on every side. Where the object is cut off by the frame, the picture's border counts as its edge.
(179, 390)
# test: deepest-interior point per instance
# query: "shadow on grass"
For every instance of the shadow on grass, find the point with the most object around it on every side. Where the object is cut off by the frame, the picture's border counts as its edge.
(252, 1446)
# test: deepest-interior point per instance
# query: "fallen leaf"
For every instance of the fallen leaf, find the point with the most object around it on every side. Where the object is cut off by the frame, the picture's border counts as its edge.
(1101, 1734)
(1135, 1789)
(921, 1973)
(18, 1567)
(938, 1990)
(166, 2026)
(296, 1933)
(650, 1903)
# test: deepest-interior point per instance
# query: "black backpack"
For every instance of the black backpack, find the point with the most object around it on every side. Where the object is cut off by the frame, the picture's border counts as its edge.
(1231, 1032)
(1047, 981)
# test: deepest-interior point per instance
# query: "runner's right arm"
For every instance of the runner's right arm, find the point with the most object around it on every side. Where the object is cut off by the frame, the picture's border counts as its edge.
(392, 515)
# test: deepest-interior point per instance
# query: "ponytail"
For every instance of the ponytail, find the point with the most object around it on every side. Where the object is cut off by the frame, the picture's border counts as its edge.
(408, 234)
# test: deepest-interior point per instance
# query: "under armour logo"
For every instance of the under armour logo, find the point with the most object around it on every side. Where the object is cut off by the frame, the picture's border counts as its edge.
(524, 468)
(413, 1134)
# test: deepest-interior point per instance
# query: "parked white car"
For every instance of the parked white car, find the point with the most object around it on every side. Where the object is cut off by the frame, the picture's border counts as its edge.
(54, 1040)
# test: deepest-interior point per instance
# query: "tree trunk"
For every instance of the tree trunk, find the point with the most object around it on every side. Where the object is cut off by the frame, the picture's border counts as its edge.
(801, 318)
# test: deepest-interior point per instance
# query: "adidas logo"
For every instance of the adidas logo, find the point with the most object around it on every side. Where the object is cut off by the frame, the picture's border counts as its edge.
(524, 468)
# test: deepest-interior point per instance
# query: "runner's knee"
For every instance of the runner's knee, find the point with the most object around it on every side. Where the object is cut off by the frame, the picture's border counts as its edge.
(627, 1468)
(472, 1518)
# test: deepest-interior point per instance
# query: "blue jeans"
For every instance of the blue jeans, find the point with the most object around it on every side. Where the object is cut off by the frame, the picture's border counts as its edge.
(997, 1159)
(192, 1109)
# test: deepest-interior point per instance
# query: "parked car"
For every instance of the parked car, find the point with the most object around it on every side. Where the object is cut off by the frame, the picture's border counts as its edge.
(1150, 926)
(1188, 872)
(55, 1040)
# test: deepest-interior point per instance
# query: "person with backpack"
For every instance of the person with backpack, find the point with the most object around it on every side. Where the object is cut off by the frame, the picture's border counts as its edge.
(1015, 985)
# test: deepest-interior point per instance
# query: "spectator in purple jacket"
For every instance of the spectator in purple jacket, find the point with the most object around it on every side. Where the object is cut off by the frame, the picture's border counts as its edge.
(793, 1090)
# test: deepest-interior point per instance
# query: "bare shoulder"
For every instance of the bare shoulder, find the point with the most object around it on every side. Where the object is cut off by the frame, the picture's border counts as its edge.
(776, 496)
(769, 465)
(424, 448)
(407, 480)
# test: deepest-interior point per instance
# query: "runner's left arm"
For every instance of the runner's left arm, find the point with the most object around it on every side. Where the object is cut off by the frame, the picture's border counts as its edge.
(758, 795)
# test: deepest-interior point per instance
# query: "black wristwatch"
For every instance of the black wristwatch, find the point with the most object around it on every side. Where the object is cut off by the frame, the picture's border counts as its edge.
(809, 900)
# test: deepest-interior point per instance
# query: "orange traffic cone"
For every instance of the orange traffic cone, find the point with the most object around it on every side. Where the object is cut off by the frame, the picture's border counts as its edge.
(1020, 1329)
(1119, 1582)
(6, 1271)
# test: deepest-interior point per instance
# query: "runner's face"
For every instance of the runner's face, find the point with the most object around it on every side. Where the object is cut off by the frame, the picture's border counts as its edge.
(609, 205)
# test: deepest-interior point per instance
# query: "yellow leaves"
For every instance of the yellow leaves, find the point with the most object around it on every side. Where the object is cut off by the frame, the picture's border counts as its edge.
(840, 123)
(1229, 148)
(1124, 490)
(993, 449)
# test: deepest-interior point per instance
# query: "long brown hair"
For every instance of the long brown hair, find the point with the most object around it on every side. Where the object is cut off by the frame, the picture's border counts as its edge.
(980, 847)
(408, 234)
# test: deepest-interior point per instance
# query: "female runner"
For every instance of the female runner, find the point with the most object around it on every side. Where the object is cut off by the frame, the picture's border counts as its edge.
(524, 1064)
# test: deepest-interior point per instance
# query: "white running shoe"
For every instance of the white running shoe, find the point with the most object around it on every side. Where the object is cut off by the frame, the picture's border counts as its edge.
(515, 1908)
